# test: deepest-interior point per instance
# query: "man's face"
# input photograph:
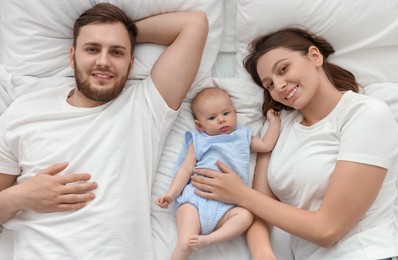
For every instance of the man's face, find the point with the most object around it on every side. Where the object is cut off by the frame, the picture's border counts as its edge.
(102, 61)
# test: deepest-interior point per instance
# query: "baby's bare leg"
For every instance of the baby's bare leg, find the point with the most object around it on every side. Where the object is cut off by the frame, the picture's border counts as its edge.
(188, 224)
(234, 223)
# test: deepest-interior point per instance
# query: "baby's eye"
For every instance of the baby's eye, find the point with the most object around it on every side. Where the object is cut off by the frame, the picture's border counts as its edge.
(212, 118)
(226, 113)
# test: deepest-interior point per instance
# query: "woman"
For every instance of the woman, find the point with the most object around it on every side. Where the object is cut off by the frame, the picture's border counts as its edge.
(330, 180)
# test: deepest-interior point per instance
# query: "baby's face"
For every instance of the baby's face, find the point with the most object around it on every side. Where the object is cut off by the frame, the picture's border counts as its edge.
(216, 115)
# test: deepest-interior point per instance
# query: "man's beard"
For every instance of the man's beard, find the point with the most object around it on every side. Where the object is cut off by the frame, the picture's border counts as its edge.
(98, 94)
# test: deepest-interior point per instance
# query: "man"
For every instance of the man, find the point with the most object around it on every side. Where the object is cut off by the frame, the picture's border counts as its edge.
(84, 157)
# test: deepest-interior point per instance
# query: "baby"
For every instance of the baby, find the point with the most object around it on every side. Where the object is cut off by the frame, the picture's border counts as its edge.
(202, 222)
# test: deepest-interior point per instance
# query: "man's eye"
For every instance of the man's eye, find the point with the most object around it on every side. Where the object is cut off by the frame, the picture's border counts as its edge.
(117, 53)
(91, 50)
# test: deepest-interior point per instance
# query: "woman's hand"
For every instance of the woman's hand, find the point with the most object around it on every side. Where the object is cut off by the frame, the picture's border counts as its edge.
(226, 186)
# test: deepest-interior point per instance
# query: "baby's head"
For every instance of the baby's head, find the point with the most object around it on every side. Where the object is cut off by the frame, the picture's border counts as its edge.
(214, 112)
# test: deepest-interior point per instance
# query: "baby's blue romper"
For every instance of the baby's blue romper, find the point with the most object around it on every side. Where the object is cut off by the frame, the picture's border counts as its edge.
(233, 150)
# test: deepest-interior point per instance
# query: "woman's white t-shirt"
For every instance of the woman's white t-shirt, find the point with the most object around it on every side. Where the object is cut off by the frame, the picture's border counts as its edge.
(359, 129)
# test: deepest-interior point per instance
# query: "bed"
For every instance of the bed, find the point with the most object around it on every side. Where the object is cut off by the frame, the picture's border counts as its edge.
(34, 46)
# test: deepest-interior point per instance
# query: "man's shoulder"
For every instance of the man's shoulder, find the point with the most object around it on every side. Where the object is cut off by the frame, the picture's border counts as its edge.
(41, 93)
(37, 97)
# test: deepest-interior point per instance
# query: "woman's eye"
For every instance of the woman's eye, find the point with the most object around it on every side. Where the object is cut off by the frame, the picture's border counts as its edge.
(269, 86)
(283, 69)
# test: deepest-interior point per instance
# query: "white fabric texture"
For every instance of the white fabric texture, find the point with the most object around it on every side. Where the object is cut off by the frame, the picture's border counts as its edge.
(35, 37)
(228, 42)
(386, 91)
(138, 120)
(5, 89)
(363, 32)
(293, 182)
(37, 31)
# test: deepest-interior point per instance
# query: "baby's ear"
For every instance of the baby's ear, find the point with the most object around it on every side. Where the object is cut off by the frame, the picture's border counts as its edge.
(199, 126)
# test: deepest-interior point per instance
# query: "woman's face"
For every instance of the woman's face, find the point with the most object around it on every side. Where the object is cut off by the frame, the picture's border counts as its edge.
(292, 78)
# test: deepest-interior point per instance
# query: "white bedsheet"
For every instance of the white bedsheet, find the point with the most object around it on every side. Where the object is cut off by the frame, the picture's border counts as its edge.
(241, 20)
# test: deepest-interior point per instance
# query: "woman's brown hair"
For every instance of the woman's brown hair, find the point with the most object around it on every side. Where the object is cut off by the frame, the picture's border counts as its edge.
(300, 40)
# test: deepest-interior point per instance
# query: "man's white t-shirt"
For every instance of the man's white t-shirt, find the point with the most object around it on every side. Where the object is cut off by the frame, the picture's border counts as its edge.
(360, 129)
(118, 143)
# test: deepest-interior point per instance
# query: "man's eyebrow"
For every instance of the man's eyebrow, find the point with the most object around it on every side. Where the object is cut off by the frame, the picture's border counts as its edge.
(116, 46)
(91, 44)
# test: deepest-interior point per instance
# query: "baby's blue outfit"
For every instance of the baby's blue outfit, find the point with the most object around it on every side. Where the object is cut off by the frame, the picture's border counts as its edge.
(233, 150)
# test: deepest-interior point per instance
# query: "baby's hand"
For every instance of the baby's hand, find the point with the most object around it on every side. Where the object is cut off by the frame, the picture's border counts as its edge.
(164, 201)
(273, 115)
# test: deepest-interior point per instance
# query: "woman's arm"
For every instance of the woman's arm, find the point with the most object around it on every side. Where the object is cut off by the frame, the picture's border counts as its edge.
(45, 192)
(258, 235)
(352, 189)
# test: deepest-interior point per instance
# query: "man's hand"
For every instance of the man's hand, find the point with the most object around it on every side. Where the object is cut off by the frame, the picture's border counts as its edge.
(46, 192)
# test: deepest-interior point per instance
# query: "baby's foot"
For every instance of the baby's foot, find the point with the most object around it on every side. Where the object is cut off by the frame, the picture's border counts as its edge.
(197, 242)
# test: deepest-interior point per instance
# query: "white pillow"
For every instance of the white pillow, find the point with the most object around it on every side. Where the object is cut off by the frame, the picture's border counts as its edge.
(228, 42)
(37, 34)
(364, 33)
(386, 91)
(1, 43)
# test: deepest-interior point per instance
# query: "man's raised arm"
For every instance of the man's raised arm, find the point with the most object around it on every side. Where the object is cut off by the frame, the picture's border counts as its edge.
(185, 33)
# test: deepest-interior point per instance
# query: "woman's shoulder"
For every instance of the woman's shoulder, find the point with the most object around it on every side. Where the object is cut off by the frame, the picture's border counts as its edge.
(360, 103)
(359, 109)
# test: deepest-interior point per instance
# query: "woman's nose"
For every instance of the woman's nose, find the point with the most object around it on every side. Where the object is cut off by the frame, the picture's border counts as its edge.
(279, 82)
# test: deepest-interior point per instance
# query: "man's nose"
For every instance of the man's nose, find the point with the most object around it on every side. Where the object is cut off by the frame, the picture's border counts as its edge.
(103, 59)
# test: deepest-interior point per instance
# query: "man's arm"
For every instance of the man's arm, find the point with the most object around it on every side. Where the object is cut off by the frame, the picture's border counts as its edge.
(45, 192)
(185, 33)
(7, 207)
